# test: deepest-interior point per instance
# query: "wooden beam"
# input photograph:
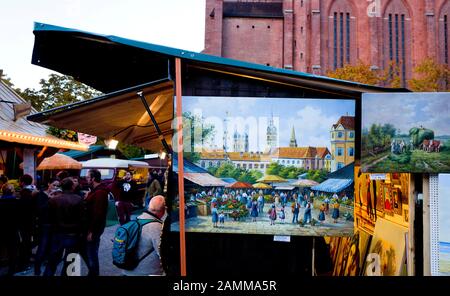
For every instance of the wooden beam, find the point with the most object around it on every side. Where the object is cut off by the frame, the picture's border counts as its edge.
(180, 166)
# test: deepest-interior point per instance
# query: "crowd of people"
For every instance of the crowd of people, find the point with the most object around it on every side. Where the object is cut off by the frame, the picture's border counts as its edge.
(40, 227)
(255, 202)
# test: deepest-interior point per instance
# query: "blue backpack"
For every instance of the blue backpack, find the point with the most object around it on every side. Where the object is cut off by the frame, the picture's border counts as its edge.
(126, 240)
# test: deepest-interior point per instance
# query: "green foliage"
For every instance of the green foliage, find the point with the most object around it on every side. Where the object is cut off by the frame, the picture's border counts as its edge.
(419, 134)
(317, 175)
(64, 134)
(196, 133)
(403, 158)
(228, 170)
(130, 151)
(58, 90)
(274, 169)
(378, 136)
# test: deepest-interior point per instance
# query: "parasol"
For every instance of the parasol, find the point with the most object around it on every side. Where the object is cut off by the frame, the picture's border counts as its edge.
(262, 186)
(304, 183)
(239, 184)
(59, 162)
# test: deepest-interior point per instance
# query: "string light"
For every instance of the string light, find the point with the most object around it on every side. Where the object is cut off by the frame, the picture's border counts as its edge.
(39, 141)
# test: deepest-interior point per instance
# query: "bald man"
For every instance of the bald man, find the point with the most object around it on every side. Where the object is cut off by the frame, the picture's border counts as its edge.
(148, 249)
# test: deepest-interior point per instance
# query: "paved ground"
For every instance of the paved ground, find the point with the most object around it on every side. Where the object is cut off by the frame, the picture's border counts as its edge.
(262, 225)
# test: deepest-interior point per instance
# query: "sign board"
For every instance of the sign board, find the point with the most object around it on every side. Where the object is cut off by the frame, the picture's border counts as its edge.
(86, 139)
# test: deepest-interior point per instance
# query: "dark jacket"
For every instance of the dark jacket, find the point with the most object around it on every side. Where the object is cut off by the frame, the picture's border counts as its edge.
(97, 206)
(66, 213)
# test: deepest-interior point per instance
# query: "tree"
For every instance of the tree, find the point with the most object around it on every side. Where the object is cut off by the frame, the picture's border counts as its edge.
(363, 73)
(58, 90)
(357, 73)
(430, 77)
(195, 129)
(274, 169)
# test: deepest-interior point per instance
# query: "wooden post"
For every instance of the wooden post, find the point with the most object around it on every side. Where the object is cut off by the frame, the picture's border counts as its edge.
(180, 166)
(411, 218)
(313, 269)
(426, 227)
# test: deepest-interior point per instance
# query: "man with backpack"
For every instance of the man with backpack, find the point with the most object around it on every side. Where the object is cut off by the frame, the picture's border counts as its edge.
(136, 246)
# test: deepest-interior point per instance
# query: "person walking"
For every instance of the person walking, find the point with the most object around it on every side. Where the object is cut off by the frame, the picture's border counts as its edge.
(96, 204)
(272, 215)
(153, 188)
(295, 211)
(322, 213)
(335, 214)
(128, 190)
(307, 215)
(66, 214)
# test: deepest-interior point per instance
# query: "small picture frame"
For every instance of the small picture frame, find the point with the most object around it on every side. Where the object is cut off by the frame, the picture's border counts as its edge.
(388, 202)
(396, 200)
(406, 215)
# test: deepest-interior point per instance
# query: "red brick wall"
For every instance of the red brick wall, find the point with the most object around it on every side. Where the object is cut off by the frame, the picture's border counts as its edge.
(303, 37)
(256, 40)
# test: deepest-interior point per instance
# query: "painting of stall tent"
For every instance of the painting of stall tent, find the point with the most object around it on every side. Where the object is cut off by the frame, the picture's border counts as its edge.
(444, 221)
(406, 132)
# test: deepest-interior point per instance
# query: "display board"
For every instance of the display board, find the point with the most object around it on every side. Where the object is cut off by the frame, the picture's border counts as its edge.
(405, 132)
(262, 166)
(381, 196)
(440, 222)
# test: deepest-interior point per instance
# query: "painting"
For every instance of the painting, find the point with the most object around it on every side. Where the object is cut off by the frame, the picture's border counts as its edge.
(387, 249)
(259, 166)
(396, 201)
(363, 246)
(387, 197)
(405, 132)
(444, 222)
(354, 253)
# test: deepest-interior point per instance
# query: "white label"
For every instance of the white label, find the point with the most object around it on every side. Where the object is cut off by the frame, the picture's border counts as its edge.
(377, 176)
(282, 238)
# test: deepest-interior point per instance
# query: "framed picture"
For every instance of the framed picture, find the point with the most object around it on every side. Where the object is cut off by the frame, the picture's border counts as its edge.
(406, 215)
(397, 200)
(379, 198)
(388, 203)
(395, 178)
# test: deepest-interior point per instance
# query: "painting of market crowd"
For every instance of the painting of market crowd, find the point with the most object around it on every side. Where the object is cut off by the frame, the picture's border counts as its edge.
(406, 132)
(267, 166)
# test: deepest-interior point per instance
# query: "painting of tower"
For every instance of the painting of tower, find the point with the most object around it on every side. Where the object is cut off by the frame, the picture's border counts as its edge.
(240, 141)
(272, 134)
(293, 141)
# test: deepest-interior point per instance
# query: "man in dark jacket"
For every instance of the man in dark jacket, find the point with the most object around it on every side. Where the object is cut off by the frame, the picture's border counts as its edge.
(97, 204)
(128, 192)
(65, 214)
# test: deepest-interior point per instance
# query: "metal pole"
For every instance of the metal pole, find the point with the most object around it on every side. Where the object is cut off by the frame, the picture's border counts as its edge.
(160, 135)
(180, 166)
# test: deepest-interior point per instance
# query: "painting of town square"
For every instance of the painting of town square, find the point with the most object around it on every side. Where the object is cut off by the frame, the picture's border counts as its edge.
(406, 132)
(273, 166)
(444, 221)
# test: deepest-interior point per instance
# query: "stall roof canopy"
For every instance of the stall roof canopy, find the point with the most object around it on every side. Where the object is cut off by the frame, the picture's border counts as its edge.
(22, 130)
(333, 185)
(110, 63)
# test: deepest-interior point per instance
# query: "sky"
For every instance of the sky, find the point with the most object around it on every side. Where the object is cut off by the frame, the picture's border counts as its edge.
(174, 23)
(311, 118)
(404, 111)
(444, 207)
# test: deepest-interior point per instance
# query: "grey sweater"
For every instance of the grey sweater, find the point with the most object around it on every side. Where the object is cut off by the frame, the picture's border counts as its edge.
(150, 241)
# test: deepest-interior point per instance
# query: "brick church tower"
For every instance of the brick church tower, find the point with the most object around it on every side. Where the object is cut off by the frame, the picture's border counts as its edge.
(316, 36)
